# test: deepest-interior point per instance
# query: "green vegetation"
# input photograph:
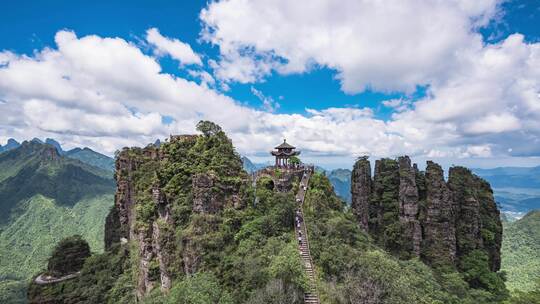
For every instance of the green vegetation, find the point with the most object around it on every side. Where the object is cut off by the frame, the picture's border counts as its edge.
(530, 297)
(241, 252)
(521, 252)
(44, 198)
(353, 270)
(68, 256)
(101, 281)
(201, 288)
(37, 169)
(294, 160)
(384, 208)
(13, 291)
(27, 242)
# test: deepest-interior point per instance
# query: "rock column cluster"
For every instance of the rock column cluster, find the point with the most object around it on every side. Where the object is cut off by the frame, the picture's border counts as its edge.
(419, 214)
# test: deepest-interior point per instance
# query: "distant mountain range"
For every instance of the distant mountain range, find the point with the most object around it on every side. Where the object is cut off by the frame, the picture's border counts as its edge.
(47, 194)
(511, 177)
(251, 167)
(85, 155)
(341, 180)
(516, 189)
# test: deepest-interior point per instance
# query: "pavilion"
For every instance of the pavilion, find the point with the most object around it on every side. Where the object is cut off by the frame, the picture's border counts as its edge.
(283, 153)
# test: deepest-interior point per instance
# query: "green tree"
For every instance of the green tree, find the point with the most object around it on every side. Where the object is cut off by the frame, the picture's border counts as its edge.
(201, 288)
(208, 128)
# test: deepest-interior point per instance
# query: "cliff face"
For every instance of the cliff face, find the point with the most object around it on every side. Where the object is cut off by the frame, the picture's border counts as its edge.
(439, 241)
(165, 200)
(478, 224)
(408, 205)
(413, 213)
(361, 177)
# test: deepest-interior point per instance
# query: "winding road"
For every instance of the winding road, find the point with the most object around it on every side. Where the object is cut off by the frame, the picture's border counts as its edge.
(43, 279)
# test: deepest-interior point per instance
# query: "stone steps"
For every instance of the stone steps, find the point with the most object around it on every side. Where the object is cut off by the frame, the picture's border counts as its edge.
(311, 296)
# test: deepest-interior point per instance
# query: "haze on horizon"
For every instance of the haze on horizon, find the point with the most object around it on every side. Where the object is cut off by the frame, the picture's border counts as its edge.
(454, 81)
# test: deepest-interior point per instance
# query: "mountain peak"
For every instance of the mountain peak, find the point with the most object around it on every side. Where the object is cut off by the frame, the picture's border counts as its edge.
(55, 144)
(11, 144)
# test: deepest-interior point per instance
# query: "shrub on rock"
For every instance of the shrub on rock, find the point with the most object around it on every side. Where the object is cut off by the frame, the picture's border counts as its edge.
(68, 256)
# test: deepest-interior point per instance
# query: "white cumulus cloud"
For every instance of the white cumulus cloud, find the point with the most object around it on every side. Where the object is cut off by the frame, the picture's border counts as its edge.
(106, 93)
(175, 48)
(378, 44)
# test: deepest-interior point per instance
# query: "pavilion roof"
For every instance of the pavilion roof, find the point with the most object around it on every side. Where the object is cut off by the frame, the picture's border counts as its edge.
(285, 145)
(283, 153)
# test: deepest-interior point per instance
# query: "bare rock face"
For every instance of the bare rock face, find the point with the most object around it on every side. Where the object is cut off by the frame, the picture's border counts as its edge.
(146, 280)
(113, 232)
(361, 191)
(205, 199)
(282, 180)
(124, 199)
(439, 244)
(408, 205)
(163, 238)
(412, 213)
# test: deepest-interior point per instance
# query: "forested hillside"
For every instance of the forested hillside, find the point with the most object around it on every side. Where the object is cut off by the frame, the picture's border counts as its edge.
(45, 197)
(521, 252)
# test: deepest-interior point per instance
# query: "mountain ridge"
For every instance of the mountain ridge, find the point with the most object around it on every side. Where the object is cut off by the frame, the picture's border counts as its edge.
(84, 154)
(44, 197)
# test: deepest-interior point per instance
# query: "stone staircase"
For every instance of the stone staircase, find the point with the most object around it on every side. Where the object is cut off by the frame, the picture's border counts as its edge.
(310, 296)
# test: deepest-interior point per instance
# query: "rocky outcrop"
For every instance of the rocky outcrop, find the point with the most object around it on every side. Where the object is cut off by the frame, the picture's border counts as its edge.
(113, 233)
(163, 237)
(439, 243)
(413, 213)
(146, 279)
(167, 189)
(361, 176)
(384, 205)
(282, 179)
(205, 198)
(124, 200)
(477, 221)
(408, 205)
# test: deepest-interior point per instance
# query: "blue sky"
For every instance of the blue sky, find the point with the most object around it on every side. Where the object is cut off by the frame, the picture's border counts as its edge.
(37, 22)
(308, 77)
